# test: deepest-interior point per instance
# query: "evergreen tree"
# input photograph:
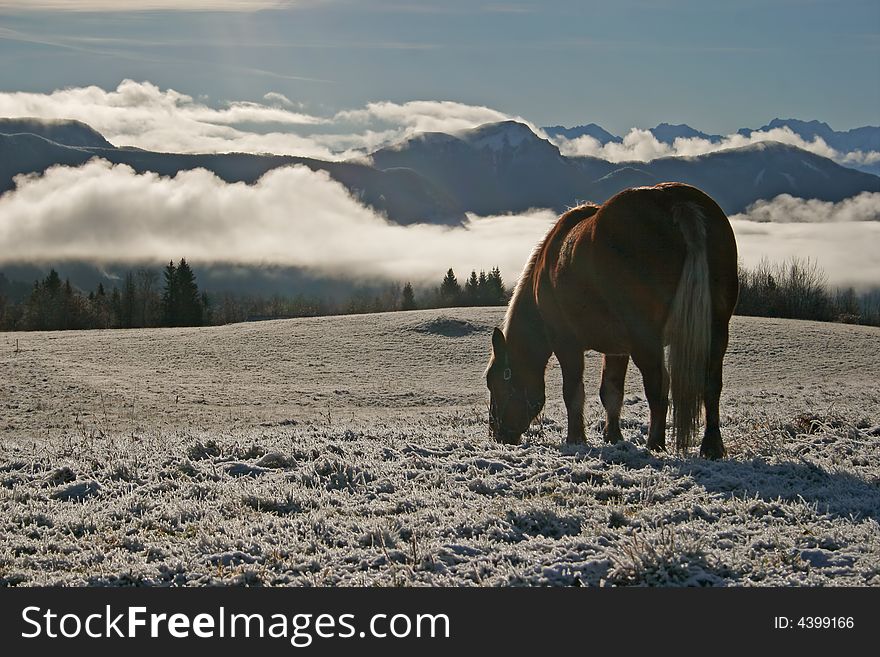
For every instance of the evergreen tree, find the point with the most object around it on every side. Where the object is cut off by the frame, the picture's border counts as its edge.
(190, 311)
(471, 289)
(128, 302)
(36, 312)
(115, 307)
(72, 315)
(170, 295)
(496, 292)
(450, 290)
(44, 308)
(100, 310)
(408, 298)
(53, 283)
(483, 296)
(148, 300)
(207, 309)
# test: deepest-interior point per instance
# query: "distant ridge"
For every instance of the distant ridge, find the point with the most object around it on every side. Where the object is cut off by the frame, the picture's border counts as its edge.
(597, 132)
(535, 174)
(495, 168)
(865, 139)
(668, 133)
(66, 132)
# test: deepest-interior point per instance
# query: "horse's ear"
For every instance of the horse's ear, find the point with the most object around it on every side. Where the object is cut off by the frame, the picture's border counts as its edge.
(499, 346)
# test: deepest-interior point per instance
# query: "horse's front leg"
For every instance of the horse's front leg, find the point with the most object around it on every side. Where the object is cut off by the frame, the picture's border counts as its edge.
(572, 363)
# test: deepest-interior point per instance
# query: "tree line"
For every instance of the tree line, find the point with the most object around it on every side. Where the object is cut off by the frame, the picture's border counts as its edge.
(796, 289)
(145, 298)
(137, 302)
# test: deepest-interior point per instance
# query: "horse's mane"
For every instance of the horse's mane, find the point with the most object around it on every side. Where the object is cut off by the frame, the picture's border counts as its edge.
(526, 283)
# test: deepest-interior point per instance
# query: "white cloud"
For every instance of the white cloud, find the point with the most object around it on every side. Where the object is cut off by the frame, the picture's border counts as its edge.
(424, 115)
(641, 146)
(102, 213)
(140, 114)
(841, 237)
(790, 209)
(143, 115)
(275, 98)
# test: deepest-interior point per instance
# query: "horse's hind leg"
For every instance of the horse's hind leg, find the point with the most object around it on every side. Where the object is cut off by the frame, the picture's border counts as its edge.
(656, 378)
(713, 446)
(611, 393)
(572, 364)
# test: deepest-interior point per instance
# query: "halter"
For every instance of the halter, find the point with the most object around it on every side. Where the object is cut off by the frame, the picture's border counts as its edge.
(512, 390)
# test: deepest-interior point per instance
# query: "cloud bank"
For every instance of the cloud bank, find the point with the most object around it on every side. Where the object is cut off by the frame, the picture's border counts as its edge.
(642, 146)
(842, 237)
(293, 216)
(143, 115)
(105, 214)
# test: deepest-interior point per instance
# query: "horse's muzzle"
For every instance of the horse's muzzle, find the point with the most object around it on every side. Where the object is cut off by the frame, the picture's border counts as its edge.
(507, 437)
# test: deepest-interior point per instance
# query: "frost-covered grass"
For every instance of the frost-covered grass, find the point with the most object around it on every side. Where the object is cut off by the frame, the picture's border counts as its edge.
(354, 451)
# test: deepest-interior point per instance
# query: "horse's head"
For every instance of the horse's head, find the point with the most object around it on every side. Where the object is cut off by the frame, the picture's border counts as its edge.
(514, 399)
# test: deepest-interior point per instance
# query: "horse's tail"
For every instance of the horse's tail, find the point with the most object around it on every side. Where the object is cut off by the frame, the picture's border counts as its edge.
(689, 327)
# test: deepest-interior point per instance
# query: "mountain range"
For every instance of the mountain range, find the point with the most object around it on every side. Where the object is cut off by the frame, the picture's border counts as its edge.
(496, 168)
(864, 139)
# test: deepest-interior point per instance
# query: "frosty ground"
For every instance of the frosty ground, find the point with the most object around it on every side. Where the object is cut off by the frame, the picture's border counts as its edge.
(354, 451)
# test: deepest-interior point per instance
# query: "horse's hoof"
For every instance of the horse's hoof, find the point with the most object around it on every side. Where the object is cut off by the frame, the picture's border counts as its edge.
(612, 437)
(713, 452)
(576, 440)
(657, 446)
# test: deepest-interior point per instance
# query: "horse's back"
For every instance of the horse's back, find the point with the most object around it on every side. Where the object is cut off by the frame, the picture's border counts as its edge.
(617, 272)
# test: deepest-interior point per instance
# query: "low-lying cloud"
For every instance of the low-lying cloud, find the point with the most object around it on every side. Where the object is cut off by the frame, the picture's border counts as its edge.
(642, 146)
(296, 217)
(841, 237)
(786, 208)
(293, 216)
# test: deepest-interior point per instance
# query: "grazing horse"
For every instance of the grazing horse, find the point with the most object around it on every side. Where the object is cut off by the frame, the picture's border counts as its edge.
(652, 266)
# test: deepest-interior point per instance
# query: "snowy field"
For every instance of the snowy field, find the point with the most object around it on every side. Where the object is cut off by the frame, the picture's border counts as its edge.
(355, 451)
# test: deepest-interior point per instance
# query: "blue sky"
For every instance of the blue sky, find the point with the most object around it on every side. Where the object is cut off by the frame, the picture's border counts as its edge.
(715, 65)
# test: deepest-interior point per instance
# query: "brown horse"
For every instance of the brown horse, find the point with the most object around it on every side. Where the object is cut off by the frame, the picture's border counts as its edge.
(652, 266)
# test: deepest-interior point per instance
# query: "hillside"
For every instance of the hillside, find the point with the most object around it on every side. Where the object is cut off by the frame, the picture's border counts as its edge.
(272, 454)
(404, 195)
(510, 175)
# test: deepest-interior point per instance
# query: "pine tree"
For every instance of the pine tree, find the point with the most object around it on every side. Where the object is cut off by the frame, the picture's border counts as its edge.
(170, 295)
(147, 297)
(450, 290)
(190, 311)
(483, 295)
(207, 309)
(128, 302)
(115, 307)
(71, 317)
(496, 292)
(471, 289)
(48, 299)
(408, 298)
(101, 308)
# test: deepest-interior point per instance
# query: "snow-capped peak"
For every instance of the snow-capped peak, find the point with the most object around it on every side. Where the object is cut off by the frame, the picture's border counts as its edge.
(498, 136)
